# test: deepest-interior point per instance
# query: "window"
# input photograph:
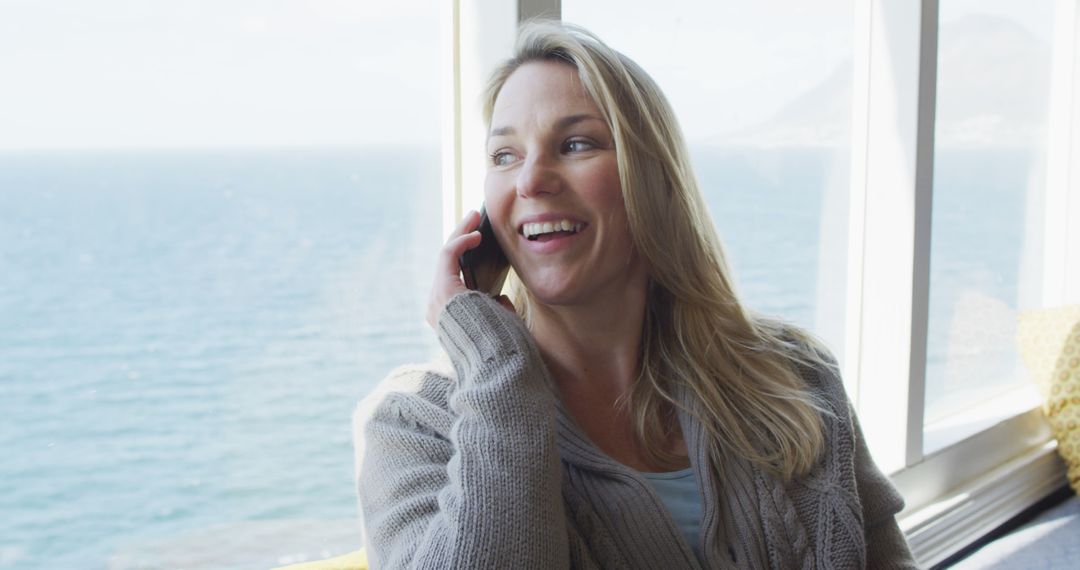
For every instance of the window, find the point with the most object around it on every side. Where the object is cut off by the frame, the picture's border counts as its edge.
(993, 92)
(200, 201)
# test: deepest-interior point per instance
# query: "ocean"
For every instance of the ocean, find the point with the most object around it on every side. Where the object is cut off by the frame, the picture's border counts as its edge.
(184, 334)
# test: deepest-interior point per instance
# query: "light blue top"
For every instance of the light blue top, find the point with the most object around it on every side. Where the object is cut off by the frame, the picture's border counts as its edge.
(679, 492)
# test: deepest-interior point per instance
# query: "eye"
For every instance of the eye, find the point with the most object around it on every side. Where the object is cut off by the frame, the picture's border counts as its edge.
(578, 145)
(502, 158)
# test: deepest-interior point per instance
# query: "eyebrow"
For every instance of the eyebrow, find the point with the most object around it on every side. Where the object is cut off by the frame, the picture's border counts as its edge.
(559, 125)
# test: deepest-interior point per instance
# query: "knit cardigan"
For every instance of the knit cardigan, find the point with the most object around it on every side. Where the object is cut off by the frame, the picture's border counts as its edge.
(480, 466)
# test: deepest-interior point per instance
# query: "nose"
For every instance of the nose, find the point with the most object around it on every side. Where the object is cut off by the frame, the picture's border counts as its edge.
(537, 176)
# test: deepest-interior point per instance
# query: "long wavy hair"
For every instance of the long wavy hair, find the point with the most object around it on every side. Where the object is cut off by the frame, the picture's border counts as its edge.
(741, 369)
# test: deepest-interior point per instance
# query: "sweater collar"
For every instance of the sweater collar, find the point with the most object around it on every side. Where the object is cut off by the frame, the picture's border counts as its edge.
(731, 528)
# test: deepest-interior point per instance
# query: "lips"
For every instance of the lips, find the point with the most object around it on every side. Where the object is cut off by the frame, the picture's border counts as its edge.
(550, 232)
(537, 230)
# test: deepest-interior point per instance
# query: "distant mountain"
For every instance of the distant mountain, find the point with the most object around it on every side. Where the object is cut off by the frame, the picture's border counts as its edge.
(993, 84)
(993, 90)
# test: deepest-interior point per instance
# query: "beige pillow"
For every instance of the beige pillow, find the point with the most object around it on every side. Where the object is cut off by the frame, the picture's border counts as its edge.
(1050, 346)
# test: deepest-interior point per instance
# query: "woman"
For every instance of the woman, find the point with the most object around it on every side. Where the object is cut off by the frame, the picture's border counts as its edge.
(631, 413)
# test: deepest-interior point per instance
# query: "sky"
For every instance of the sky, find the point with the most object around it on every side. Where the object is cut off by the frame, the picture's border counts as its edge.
(198, 73)
(241, 73)
(726, 66)
(779, 72)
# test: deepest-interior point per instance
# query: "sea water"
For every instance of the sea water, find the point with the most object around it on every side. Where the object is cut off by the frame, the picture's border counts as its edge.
(184, 334)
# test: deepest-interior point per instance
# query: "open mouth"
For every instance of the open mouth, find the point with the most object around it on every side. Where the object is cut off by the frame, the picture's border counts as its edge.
(543, 231)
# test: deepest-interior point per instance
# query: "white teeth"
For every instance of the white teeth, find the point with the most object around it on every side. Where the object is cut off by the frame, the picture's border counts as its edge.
(532, 230)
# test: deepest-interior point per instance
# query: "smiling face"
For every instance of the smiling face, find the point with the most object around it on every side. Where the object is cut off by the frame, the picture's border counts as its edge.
(552, 189)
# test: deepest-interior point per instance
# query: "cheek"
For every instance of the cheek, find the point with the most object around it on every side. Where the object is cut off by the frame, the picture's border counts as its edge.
(605, 195)
(498, 203)
(491, 191)
(603, 186)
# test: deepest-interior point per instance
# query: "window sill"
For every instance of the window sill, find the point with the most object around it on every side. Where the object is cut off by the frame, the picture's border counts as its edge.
(966, 490)
(956, 427)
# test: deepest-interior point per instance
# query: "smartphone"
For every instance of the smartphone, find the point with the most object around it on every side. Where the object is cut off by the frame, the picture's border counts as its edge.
(484, 267)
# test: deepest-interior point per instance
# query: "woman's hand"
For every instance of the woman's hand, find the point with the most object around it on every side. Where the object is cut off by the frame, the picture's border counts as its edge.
(447, 271)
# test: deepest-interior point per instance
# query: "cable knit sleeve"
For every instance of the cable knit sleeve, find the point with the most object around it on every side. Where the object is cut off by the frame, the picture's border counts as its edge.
(886, 546)
(879, 501)
(472, 481)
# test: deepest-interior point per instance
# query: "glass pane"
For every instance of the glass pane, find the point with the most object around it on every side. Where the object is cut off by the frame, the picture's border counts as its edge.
(763, 94)
(199, 202)
(992, 95)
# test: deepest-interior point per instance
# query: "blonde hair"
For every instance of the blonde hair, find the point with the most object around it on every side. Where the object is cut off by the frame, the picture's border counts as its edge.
(741, 369)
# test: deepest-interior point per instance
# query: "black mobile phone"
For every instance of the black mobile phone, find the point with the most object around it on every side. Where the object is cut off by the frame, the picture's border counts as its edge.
(484, 267)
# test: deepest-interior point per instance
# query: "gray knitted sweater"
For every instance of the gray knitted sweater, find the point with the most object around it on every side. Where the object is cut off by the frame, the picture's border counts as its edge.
(479, 466)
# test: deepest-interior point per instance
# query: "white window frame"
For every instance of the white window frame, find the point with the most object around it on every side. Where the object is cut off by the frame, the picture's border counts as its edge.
(963, 491)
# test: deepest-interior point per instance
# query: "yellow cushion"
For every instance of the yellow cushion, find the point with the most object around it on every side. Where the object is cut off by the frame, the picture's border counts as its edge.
(351, 561)
(1050, 345)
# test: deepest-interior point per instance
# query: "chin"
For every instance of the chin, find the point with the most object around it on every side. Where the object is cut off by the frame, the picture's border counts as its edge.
(552, 291)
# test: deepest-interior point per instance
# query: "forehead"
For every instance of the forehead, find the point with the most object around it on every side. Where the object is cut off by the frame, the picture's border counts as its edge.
(541, 90)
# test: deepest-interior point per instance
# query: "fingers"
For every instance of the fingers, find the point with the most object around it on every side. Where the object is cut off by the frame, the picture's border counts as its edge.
(451, 252)
(469, 222)
(447, 272)
(463, 237)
